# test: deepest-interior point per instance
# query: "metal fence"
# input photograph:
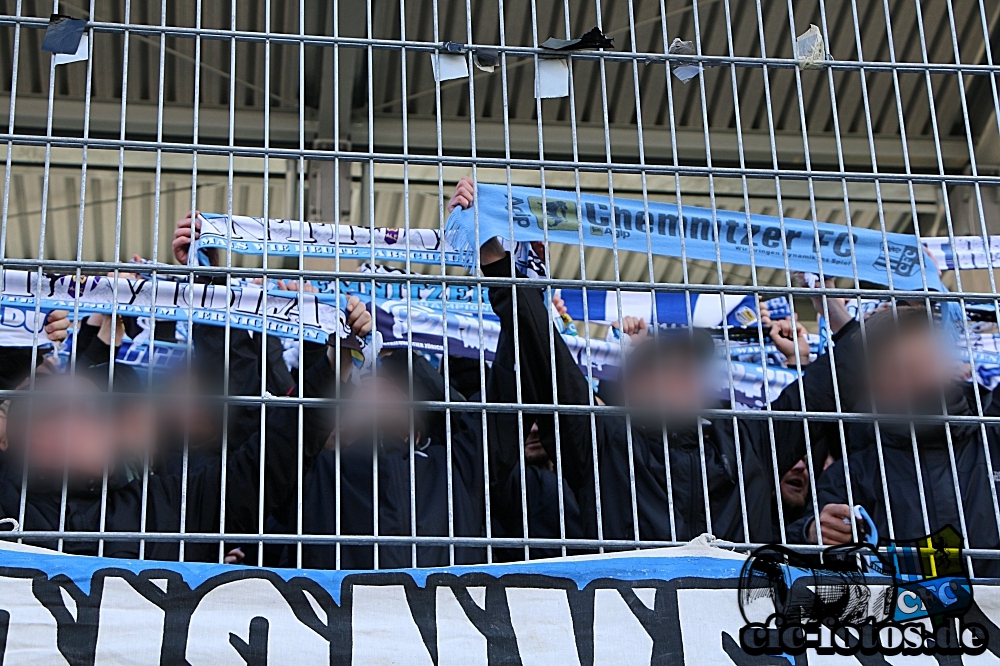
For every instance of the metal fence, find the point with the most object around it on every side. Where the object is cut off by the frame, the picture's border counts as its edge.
(342, 116)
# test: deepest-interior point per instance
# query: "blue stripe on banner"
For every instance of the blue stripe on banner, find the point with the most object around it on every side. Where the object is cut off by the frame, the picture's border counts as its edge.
(602, 306)
(671, 308)
(702, 562)
(573, 298)
(164, 357)
(777, 242)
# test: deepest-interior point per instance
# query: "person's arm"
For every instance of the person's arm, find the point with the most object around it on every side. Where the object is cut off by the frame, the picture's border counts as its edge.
(534, 371)
(94, 347)
(817, 386)
(279, 379)
(281, 450)
(836, 306)
(790, 339)
(209, 345)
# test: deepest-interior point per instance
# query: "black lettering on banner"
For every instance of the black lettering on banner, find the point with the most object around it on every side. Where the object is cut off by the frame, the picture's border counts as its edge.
(771, 238)
(666, 225)
(254, 651)
(790, 236)
(623, 218)
(437, 240)
(293, 226)
(597, 214)
(299, 616)
(18, 283)
(741, 658)
(700, 228)
(841, 246)
(521, 217)
(731, 228)
(135, 287)
(53, 283)
(204, 294)
(314, 309)
(248, 229)
(640, 221)
(166, 293)
(282, 308)
(351, 240)
(4, 628)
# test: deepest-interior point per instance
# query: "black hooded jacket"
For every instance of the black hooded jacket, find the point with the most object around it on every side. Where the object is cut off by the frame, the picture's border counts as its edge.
(541, 497)
(976, 478)
(657, 487)
(164, 493)
(355, 503)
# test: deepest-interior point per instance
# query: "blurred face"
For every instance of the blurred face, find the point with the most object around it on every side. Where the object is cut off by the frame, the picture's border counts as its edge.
(673, 386)
(181, 414)
(135, 429)
(910, 373)
(377, 407)
(73, 429)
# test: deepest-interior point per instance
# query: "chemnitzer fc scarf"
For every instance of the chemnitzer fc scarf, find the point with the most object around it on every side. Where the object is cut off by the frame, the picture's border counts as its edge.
(553, 215)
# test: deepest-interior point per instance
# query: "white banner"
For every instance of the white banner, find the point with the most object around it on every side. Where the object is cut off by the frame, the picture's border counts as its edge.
(248, 235)
(665, 606)
(248, 308)
(968, 252)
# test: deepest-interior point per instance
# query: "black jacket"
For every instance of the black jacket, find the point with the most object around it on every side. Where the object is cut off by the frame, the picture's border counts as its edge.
(610, 435)
(164, 504)
(975, 476)
(356, 485)
(541, 497)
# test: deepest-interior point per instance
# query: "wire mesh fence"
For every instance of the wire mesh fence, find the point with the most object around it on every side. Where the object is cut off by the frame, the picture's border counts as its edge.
(389, 284)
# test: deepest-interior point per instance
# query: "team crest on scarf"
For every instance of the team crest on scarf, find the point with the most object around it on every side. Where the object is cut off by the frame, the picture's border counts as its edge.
(557, 214)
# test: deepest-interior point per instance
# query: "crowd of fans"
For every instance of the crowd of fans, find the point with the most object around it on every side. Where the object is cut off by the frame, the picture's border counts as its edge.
(647, 458)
